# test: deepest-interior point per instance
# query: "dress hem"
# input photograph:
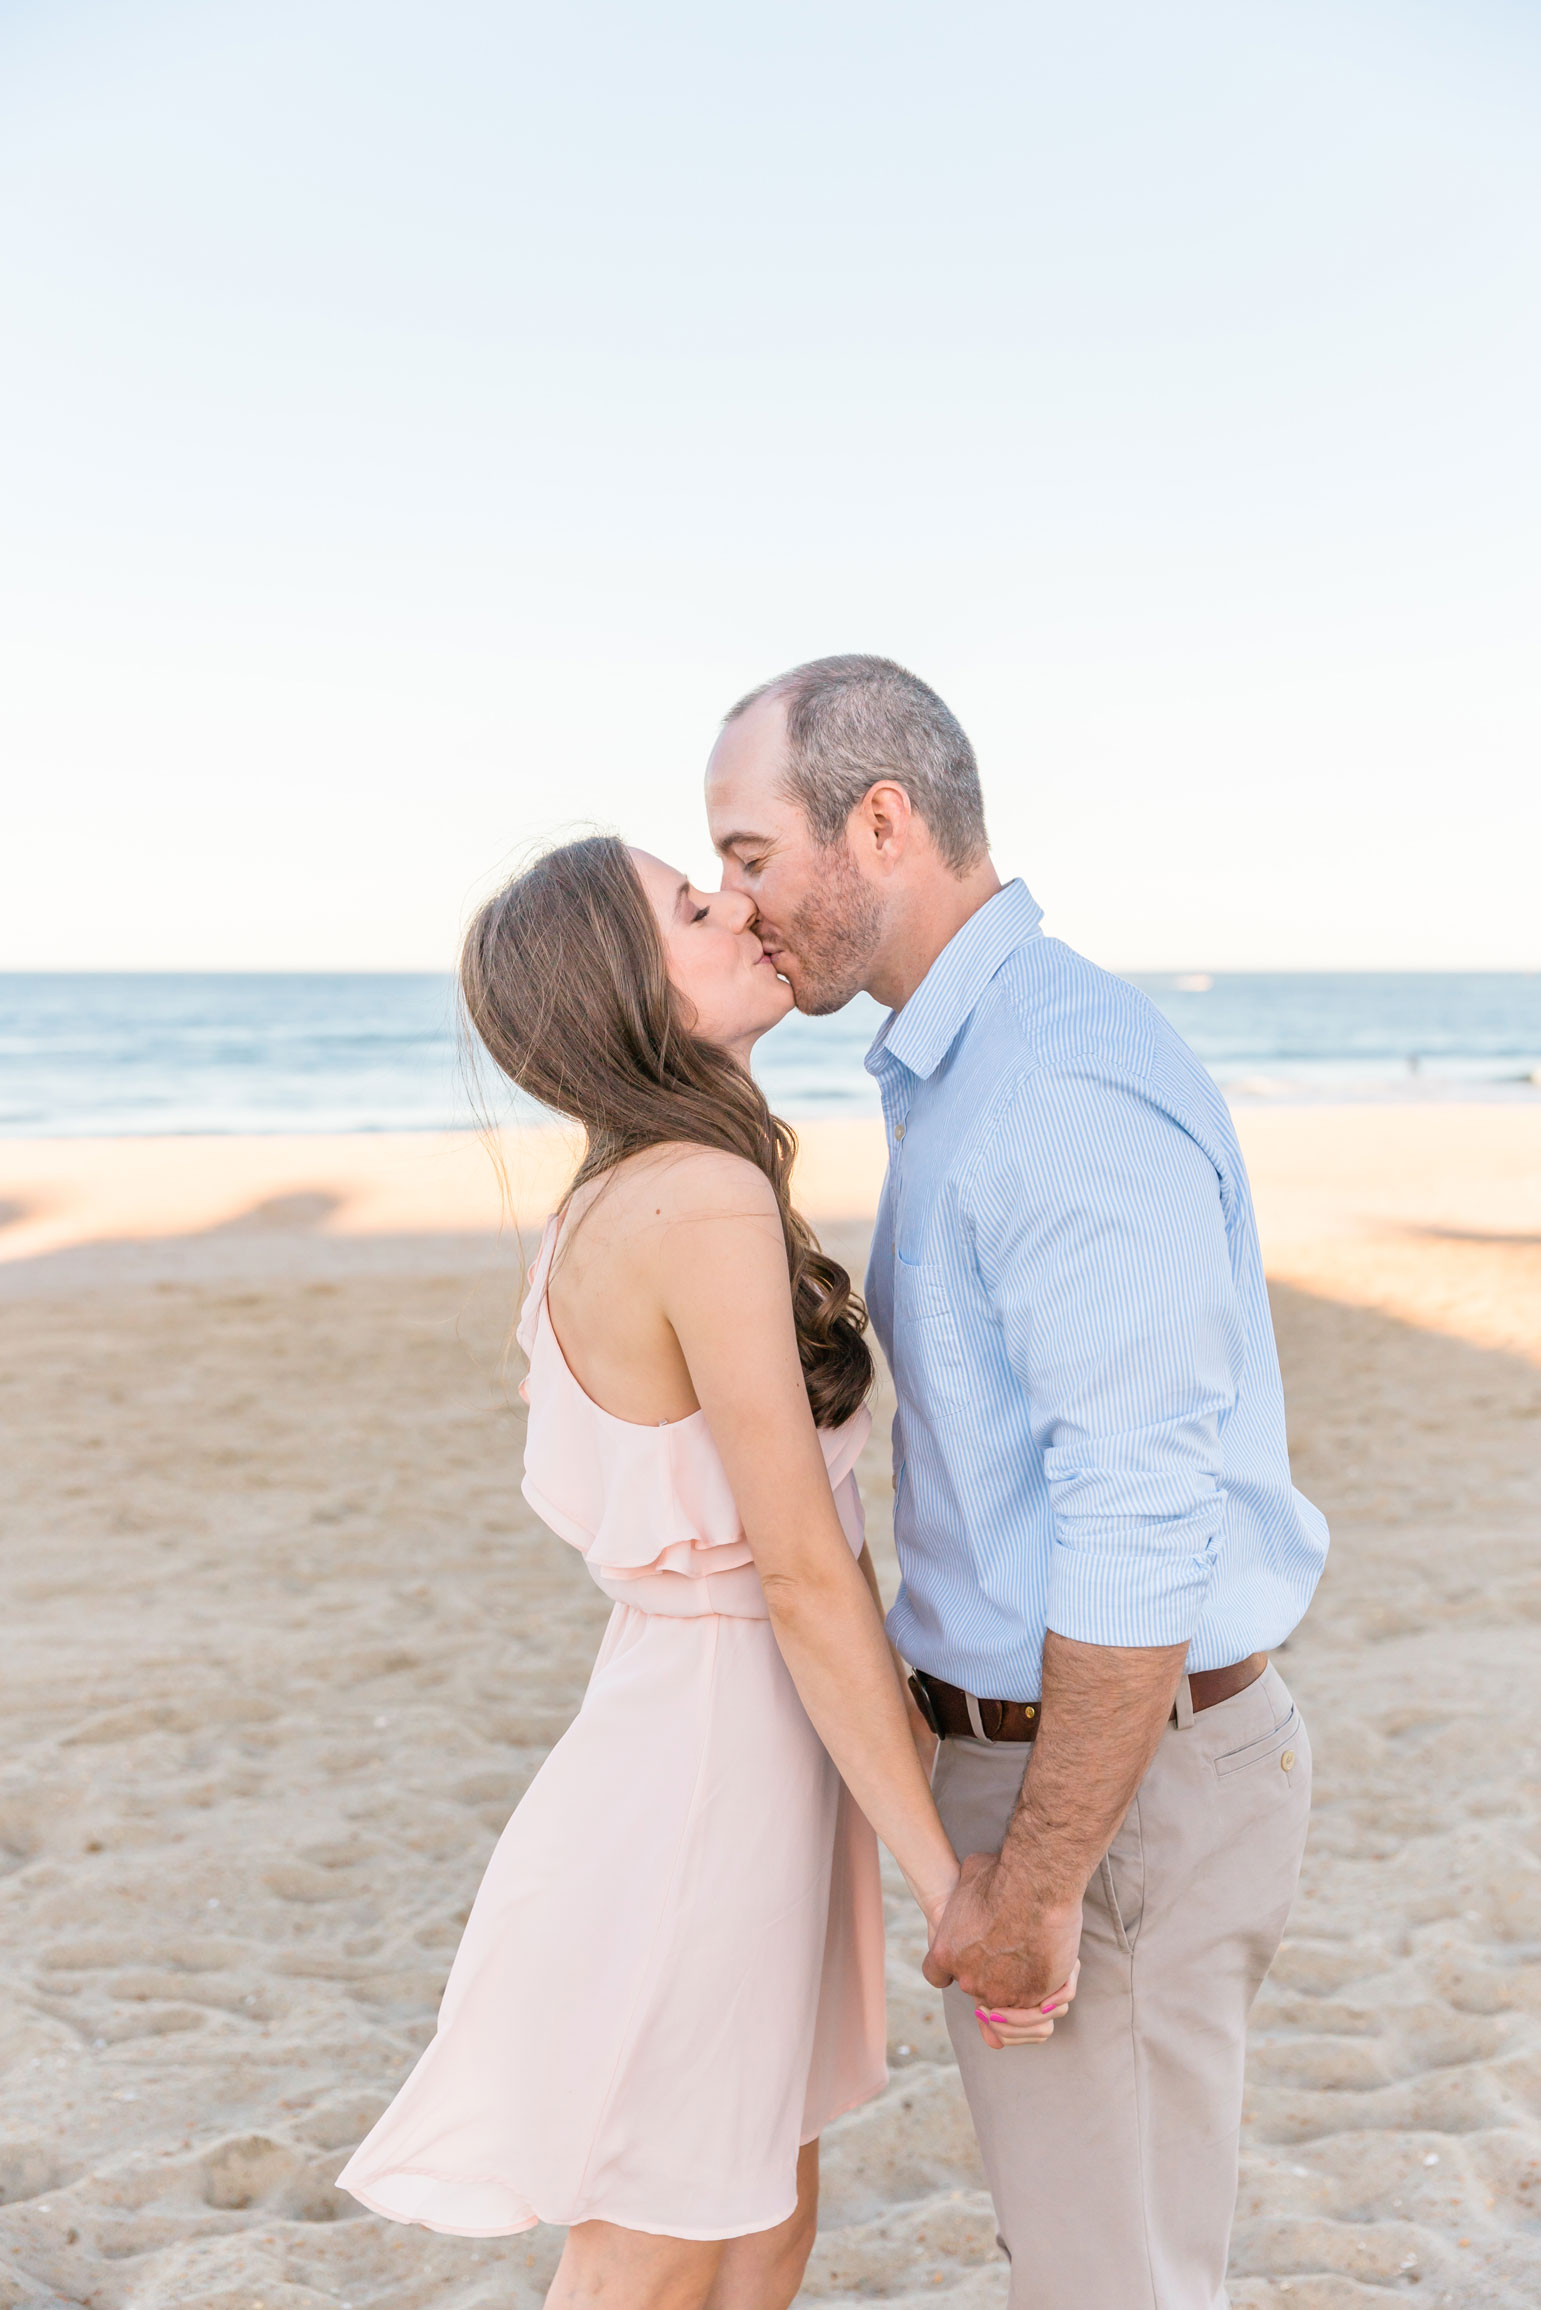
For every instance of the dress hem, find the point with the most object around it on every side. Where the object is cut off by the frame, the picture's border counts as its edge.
(568, 2221)
(421, 2221)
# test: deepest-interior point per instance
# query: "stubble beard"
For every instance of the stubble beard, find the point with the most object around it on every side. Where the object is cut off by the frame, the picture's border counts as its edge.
(834, 934)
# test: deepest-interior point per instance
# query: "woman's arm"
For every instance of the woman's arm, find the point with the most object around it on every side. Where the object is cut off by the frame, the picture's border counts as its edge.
(720, 1268)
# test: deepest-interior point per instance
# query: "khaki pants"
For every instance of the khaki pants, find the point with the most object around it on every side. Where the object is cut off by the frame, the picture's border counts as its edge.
(1112, 2151)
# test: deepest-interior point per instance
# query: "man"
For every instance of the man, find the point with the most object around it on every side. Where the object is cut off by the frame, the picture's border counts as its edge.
(1096, 1528)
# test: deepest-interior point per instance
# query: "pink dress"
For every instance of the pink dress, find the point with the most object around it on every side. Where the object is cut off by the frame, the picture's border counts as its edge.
(673, 1972)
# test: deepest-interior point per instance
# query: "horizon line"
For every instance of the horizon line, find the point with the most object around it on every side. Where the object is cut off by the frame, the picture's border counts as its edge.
(1187, 970)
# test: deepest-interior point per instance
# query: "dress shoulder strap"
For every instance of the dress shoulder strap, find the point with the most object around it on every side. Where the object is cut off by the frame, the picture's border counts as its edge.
(538, 1278)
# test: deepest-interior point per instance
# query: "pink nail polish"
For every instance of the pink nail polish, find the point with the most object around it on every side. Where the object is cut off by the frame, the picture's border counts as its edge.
(1049, 2007)
(997, 2017)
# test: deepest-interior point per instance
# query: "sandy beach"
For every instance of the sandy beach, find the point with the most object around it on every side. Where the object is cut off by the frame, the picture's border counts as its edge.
(283, 1645)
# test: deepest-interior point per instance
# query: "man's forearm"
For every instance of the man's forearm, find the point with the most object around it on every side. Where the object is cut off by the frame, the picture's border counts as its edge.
(1103, 1710)
(1011, 1930)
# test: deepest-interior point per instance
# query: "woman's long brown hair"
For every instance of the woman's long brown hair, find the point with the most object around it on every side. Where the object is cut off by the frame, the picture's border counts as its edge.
(566, 984)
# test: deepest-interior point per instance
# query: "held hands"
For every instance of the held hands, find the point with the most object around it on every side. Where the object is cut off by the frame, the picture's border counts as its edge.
(1026, 2025)
(1007, 1951)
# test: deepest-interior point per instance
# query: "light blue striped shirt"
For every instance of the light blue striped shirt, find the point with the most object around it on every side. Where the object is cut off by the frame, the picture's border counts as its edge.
(1067, 1284)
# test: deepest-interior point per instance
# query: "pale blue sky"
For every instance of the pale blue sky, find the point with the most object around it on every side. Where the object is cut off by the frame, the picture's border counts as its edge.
(419, 422)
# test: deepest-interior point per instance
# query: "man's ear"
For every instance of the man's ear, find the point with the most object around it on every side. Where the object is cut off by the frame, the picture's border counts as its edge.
(885, 824)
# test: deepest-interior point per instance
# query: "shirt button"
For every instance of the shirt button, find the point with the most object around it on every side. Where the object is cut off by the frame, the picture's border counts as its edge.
(1287, 1761)
(898, 1130)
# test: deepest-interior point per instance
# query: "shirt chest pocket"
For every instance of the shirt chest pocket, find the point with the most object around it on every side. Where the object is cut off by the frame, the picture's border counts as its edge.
(931, 1362)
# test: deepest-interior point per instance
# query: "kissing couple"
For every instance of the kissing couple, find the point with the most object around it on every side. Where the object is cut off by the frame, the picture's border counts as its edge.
(1093, 1782)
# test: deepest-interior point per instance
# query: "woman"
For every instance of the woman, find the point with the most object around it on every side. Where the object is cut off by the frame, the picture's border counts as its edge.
(672, 1976)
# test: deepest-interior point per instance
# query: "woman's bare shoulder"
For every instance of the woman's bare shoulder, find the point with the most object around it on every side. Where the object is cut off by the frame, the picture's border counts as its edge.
(684, 1181)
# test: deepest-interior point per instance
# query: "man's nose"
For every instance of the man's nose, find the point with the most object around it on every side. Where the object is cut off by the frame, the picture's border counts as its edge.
(739, 908)
(732, 875)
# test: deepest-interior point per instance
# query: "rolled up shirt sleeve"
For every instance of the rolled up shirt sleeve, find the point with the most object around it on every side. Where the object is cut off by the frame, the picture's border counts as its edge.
(1099, 1231)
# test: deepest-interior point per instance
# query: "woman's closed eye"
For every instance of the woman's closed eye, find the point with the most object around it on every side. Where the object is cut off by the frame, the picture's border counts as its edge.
(701, 914)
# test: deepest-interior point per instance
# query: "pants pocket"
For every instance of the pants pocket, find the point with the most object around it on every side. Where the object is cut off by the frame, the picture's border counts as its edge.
(1122, 1879)
(1261, 1752)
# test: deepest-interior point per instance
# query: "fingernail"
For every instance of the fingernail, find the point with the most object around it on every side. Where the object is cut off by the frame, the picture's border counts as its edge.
(997, 2017)
(1049, 2008)
(980, 2014)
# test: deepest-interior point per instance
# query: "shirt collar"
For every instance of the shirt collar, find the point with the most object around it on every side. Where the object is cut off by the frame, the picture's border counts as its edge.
(922, 1033)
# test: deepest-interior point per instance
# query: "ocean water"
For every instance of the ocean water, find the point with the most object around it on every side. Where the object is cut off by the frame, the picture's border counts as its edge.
(99, 1054)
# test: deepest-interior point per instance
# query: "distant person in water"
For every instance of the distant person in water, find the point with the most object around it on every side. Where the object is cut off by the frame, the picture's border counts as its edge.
(672, 1977)
(1094, 1516)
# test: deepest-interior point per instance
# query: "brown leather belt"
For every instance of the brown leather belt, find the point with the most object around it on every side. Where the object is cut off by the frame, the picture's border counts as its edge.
(947, 1710)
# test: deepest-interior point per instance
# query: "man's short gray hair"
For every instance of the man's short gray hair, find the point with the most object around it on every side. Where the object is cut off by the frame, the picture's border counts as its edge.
(854, 720)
